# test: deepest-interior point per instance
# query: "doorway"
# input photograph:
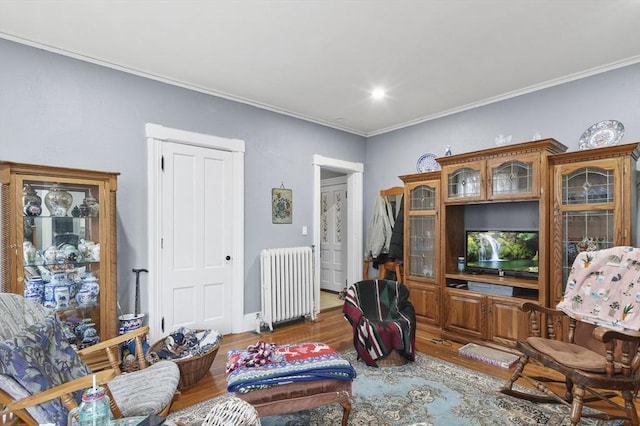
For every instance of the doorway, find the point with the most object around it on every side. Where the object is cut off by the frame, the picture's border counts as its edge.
(193, 282)
(353, 239)
(333, 244)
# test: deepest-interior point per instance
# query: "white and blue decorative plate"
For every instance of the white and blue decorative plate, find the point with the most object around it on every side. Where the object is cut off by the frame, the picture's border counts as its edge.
(603, 133)
(427, 163)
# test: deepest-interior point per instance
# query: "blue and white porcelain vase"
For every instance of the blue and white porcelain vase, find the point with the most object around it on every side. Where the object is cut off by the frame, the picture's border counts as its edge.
(89, 290)
(49, 295)
(34, 289)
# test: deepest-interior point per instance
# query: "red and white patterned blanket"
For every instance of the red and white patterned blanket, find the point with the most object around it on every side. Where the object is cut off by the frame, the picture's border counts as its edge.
(284, 364)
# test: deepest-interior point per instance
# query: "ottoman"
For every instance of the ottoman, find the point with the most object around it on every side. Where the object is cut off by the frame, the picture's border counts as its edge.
(289, 378)
(299, 396)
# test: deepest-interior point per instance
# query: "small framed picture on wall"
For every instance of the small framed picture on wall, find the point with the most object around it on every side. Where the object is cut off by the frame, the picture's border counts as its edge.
(281, 205)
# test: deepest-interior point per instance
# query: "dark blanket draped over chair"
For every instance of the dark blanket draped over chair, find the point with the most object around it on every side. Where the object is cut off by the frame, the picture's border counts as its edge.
(383, 319)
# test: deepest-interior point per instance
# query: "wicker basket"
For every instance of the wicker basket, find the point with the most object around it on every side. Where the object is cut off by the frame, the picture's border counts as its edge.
(232, 411)
(194, 368)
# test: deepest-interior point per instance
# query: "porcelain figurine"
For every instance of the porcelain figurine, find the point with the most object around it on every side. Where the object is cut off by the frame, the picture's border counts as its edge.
(93, 208)
(86, 247)
(29, 252)
(95, 252)
(70, 253)
(51, 255)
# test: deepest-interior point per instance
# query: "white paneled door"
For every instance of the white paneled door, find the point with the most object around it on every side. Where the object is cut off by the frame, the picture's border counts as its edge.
(196, 237)
(333, 233)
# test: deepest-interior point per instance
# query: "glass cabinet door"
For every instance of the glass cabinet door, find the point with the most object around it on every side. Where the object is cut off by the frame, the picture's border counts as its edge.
(516, 178)
(587, 206)
(61, 252)
(422, 231)
(464, 183)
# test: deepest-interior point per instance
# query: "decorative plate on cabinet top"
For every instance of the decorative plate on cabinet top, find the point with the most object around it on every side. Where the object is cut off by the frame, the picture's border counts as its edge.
(603, 133)
(427, 163)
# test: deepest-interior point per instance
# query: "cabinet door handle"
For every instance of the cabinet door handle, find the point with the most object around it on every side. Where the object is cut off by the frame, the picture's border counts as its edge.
(228, 257)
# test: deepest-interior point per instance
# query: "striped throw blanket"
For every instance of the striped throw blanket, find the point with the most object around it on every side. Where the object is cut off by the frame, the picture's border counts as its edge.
(383, 319)
(295, 363)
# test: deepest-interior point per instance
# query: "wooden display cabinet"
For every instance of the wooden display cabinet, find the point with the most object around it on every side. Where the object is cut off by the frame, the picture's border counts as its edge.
(505, 180)
(421, 254)
(594, 205)
(512, 172)
(476, 316)
(58, 230)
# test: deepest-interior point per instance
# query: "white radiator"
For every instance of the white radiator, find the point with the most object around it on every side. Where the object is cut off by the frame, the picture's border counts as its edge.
(287, 284)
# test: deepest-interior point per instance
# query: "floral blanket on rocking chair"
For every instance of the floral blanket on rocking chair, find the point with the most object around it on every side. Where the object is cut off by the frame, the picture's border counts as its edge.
(603, 288)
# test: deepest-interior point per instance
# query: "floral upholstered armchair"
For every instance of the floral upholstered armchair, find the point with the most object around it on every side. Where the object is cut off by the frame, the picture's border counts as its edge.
(41, 375)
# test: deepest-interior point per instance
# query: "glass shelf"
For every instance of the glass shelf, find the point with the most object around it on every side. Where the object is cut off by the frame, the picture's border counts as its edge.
(61, 254)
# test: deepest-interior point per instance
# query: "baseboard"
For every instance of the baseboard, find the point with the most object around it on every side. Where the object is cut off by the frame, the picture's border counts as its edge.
(249, 322)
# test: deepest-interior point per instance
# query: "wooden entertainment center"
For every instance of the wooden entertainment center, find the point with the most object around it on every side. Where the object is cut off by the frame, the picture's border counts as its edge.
(575, 201)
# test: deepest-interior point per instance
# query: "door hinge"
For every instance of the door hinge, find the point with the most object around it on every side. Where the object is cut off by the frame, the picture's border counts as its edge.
(162, 163)
(161, 243)
(162, 325)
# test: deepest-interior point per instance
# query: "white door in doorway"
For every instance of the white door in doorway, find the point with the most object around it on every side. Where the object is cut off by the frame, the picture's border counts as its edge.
(333, 233)
(196, 238)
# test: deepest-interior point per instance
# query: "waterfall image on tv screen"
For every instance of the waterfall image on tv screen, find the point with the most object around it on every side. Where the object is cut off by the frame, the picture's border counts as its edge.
(513, 252)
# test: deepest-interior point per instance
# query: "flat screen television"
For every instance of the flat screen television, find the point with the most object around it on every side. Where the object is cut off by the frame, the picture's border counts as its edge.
(511, 253)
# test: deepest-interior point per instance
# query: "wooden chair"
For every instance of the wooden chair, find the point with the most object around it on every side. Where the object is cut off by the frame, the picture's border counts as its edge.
(149, 390)
(383, 268)
(596, 360)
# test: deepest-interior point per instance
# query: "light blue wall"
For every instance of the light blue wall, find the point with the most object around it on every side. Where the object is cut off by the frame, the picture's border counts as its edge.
(60, 111)
(562, 112)
(64, 112)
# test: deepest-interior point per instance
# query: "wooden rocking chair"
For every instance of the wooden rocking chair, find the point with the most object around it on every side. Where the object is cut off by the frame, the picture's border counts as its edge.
(61, 371)
(594, 353)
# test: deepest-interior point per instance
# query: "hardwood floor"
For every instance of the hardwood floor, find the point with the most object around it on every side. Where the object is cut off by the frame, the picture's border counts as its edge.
(331, 328)
(329, 300)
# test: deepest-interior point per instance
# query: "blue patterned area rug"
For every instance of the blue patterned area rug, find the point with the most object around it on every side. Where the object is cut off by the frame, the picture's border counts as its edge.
(428, 391)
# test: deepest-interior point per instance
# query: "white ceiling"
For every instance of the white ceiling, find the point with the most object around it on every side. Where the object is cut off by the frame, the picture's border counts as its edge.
(319, 60)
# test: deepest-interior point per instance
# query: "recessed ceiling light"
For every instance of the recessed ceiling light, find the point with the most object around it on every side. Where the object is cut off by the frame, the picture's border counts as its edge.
(378, 93)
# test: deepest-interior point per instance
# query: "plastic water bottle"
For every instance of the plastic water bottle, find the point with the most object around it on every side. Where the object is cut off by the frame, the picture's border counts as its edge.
(94, 409)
